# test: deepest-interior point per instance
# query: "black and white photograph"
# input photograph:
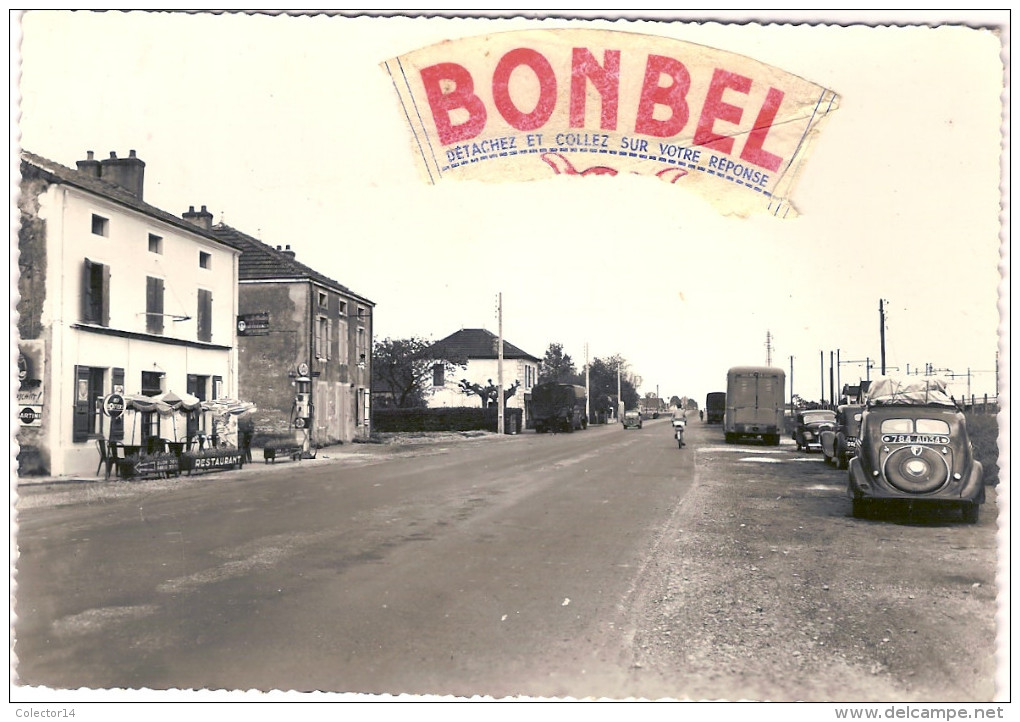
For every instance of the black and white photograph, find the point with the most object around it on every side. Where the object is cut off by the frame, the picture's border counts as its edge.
(538, 356)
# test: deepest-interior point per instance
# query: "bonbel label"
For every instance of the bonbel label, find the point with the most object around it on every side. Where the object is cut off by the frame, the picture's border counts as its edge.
(533, 104)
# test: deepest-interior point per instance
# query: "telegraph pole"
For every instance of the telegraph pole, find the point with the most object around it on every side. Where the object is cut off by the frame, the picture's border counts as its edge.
(768, 348)
(619, 391)
(500, 421)
(587, 386)
(881, 330)
(791, 384)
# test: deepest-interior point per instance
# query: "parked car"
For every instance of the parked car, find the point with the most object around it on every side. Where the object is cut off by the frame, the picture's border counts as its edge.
(913, 446)
(632, 419)
(840, 443)
(810, 425)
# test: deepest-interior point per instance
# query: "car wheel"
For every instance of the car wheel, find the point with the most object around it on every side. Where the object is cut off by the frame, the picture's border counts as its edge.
(971, 511)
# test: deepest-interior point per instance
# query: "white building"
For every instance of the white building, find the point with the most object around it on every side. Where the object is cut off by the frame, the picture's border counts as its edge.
(480, 349)
(116, 296)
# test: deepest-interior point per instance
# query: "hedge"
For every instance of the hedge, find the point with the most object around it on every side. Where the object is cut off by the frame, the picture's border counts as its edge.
(453, 418)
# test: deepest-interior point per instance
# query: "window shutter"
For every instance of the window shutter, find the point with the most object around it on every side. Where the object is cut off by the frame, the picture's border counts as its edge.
(81, 403)
(86, 292)
(117, 425)
(106, 296)
(329, 338)
(217, 386)
(154, 305)
(204, 315)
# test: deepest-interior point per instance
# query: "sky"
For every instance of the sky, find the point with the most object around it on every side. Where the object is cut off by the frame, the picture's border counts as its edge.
(288, 128)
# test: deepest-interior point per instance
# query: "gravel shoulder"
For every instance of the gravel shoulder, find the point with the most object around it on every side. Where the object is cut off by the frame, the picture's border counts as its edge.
(764, 587)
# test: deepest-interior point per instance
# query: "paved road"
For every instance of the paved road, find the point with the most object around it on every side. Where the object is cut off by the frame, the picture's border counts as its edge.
(498, 567)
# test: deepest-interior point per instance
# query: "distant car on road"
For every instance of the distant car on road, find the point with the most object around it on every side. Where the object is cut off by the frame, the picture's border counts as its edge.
(914, 447)
(810, 425)
(632, 419)
(839, 444)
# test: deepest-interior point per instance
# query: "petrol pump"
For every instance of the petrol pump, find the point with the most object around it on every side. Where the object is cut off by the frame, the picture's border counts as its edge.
(303, 407)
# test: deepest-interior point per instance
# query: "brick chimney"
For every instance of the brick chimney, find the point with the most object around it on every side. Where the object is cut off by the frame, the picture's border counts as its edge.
(202, 218)
(288, 252)
(90, 166)
(128, 173)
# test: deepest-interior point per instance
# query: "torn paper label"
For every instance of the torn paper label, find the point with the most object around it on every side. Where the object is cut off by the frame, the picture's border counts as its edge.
(533, 104)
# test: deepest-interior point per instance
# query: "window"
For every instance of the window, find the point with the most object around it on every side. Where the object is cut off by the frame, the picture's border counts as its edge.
(198, 386)
(361, 311)
(439, 374)
(155, 243)
(100, 225)
(88, 403)
(154, 305)
(343, 308)
(323, 299)
(204, 259)
(152, 385)
(362, 350)
(204, 315)
(323, 338)
(931, 426)
(95, 295)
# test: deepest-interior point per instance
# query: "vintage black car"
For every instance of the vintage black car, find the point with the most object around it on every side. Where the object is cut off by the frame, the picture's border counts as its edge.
(810, 425)
(632, 420)
(840, 443)
(914, 447)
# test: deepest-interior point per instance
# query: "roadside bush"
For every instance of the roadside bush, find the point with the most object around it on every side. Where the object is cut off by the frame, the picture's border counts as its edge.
(455, 418)
(984, 432)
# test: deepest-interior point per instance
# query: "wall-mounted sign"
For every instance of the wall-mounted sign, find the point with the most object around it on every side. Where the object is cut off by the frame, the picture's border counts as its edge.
(253, 324)
(30, 415)
(532, 104)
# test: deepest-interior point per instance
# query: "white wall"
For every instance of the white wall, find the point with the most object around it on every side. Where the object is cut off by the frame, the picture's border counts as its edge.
(68, 215)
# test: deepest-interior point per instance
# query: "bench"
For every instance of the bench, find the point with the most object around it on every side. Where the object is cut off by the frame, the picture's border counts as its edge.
(291, 451)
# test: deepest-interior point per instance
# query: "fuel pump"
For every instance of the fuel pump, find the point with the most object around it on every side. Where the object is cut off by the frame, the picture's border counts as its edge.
(303, 408)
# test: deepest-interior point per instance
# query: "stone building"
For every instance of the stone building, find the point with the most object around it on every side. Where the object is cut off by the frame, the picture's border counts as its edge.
(304, 345)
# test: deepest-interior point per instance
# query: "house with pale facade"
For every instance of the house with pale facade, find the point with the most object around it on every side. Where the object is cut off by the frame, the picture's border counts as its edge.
(480, 348)
(115, 296)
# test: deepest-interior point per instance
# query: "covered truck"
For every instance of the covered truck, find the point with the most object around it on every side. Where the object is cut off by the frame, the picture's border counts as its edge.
(558, 407)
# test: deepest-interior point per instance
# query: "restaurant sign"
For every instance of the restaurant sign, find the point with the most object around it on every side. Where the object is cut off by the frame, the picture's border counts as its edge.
(533, 104)
(253, 324)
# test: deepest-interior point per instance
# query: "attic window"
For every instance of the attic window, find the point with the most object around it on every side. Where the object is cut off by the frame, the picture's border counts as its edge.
(343, 308)
(155, 243)
(100, 225)
(204, 259)
(323, 299)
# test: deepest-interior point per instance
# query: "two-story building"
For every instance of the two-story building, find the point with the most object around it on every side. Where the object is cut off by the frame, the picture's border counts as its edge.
(480, 348)
(304, 345)
(116, 296)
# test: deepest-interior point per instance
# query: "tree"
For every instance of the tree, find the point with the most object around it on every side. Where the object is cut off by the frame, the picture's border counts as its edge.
(405, 368)
(558, 366)
(602, 375)
(488, 393)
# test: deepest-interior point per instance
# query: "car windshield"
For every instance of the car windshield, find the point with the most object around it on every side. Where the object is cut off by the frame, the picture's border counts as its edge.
(818, 416)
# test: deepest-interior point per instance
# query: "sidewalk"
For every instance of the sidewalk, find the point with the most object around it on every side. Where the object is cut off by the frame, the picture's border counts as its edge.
(326, 455)
(331, 454)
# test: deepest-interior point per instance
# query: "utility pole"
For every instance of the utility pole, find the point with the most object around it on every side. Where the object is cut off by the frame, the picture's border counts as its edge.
(587, 386)
(881, 330)
(821, 361)
(500, 428)
(619, 391)
(791, 384)
(768, 348)
(832, 386)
